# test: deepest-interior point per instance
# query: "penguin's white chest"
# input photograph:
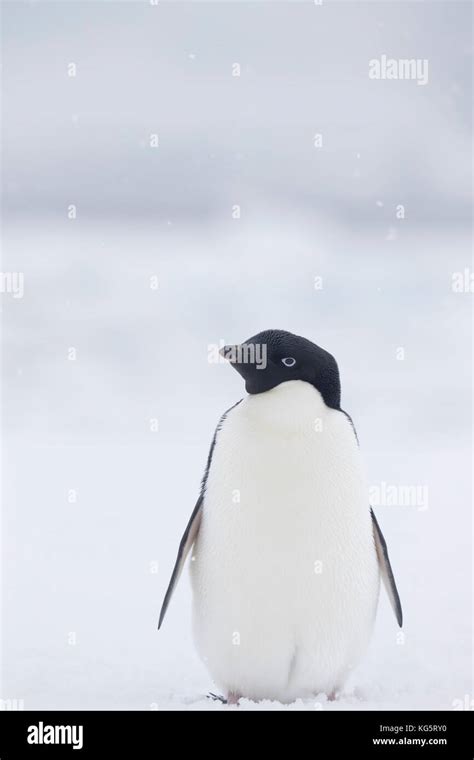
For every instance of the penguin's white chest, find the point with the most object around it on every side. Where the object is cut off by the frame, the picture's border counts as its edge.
(284, 575)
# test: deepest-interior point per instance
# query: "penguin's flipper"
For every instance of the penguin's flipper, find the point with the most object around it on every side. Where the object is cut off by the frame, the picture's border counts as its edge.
(386, 570)
(188, 539)
(192, 528)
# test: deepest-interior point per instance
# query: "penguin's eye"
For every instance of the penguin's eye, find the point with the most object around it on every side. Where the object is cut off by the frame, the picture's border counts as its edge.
(289, 361)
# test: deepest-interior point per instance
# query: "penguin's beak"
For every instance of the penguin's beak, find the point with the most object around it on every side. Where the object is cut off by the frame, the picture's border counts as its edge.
(231, 353)
(247, 359)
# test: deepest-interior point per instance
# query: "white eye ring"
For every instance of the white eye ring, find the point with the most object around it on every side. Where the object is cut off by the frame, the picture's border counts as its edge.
(289, 361)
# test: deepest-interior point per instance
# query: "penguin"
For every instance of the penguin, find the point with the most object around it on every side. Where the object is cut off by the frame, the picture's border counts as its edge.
(287, 552)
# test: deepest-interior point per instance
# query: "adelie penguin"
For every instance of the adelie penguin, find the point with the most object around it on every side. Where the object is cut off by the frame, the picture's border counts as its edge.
(287, 552)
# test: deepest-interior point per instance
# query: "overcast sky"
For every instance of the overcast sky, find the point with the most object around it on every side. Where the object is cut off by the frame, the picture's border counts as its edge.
(167, 69)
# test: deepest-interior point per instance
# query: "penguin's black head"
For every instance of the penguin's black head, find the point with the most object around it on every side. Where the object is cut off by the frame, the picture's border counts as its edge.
(276, 356)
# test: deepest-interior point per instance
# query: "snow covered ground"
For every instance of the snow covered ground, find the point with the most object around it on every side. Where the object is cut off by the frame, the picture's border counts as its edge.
(94, 503)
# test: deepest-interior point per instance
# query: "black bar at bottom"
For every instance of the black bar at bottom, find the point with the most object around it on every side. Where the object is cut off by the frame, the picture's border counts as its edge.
(107, 734)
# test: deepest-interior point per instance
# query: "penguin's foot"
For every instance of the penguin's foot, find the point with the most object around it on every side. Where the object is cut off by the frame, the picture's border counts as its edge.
(233, 698)
(217, 698)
